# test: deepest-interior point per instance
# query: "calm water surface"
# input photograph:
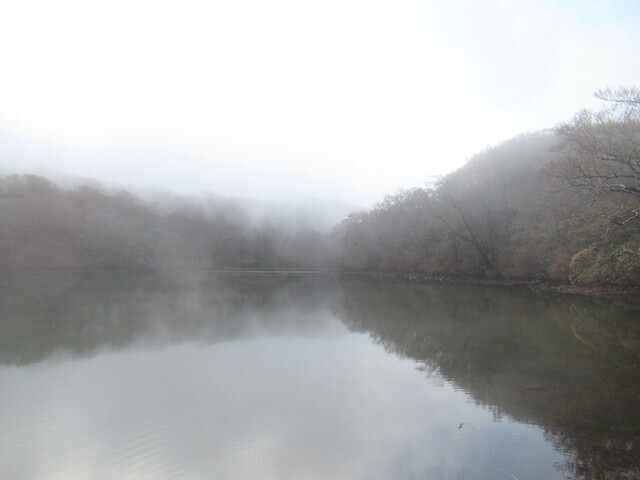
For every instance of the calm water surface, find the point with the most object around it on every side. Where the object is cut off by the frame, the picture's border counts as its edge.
(278, 377)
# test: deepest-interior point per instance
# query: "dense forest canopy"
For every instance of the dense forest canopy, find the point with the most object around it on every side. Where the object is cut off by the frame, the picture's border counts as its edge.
(558, 205)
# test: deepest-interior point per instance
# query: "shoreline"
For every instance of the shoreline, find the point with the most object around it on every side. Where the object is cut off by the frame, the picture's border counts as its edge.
(631, 293)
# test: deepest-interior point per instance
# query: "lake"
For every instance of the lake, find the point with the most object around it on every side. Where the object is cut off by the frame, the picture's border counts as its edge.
(119, 376)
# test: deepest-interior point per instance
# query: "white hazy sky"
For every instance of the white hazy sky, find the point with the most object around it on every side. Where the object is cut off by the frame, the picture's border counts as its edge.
(294, 99)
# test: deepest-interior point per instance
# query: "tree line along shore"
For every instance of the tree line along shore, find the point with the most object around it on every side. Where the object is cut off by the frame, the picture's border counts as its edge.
(560, 206)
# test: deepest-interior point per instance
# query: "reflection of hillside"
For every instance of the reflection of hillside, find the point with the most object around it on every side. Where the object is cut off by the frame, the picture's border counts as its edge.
(567, 364)
(45, 315)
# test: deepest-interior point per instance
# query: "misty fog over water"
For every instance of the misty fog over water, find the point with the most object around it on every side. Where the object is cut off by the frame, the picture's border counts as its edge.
(345, 239)
(261, 376)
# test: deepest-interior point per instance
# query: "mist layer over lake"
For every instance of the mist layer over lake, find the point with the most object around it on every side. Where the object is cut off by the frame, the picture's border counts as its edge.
(312, 377)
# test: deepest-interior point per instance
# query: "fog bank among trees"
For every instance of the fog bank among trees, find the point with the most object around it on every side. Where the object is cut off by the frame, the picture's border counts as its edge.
(558, 206)
(47, 227)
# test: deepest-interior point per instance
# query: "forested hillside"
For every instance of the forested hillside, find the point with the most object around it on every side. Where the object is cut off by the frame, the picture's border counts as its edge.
(555, 206)
(45, 227)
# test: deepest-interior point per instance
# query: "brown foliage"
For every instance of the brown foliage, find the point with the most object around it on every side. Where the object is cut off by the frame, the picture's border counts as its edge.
(554, 206)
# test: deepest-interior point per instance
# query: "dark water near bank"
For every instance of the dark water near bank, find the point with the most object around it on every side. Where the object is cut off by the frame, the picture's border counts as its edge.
(265, 377)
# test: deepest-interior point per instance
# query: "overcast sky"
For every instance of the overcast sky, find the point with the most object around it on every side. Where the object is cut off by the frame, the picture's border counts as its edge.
(294, 99)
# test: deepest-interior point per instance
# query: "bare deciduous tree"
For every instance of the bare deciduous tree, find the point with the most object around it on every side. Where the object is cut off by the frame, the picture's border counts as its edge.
(602, 153)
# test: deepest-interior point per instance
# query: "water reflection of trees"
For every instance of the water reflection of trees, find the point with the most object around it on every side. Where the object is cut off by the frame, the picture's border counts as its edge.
(44, 316)
(568, 364)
